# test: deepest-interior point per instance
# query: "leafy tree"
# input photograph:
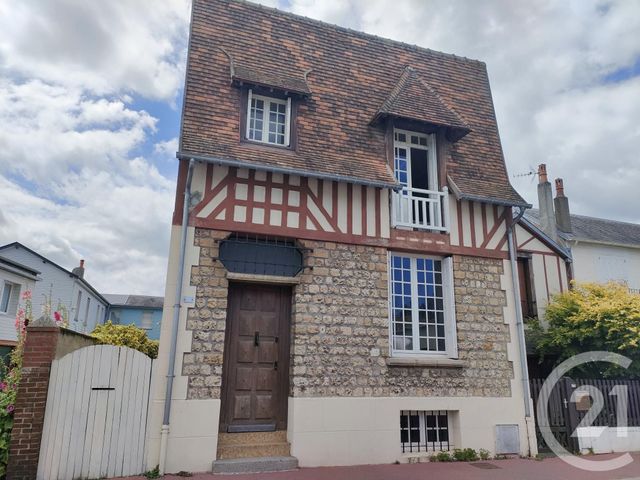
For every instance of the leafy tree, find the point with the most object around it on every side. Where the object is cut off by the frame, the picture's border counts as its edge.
(126, 336)
(592, 317)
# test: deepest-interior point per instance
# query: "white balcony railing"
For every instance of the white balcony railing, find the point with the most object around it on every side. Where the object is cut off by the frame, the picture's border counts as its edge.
(418, 208)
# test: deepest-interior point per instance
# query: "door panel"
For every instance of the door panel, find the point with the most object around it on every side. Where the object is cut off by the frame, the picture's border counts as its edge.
(255, 371)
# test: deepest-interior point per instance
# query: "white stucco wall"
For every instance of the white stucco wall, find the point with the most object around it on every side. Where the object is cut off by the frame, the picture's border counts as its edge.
(193, 433)
(600, 263)
(608, 439)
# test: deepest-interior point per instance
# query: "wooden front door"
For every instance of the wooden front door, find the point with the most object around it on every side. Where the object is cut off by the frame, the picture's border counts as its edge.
(255, 377)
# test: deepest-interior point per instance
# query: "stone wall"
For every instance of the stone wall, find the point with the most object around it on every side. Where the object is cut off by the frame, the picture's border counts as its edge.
(340, 327)
(203, 365)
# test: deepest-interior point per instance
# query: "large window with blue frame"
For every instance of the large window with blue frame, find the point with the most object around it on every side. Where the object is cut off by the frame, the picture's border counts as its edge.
(418, 305)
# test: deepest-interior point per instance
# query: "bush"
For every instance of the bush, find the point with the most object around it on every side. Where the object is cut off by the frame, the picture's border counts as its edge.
(465, 455)
(484, 454)
(441, 457)
(592, 317)
(126, 336)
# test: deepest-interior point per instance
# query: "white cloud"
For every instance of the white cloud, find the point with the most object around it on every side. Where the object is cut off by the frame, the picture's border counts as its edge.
(72, 182)
(104, 47)
(117, 221)
(61, 127)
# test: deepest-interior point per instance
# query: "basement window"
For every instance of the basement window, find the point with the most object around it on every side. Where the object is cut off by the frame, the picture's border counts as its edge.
(424, 431)
(268, 119)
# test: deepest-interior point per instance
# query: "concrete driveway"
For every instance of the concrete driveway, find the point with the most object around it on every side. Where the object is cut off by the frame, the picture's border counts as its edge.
(513, 469)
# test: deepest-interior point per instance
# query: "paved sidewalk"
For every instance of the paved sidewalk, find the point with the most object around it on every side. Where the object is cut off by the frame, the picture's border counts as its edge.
(514, 469)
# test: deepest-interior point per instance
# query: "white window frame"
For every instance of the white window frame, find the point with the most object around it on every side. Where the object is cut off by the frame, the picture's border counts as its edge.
(7, 286)
(265, 119)
(430, 147)
(448, 295)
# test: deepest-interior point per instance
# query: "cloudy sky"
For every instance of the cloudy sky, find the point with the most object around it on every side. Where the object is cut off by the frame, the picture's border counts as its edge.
(90, 106)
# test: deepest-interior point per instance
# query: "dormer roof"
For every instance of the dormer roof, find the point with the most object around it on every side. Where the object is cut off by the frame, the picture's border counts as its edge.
(291, 82)
(412, 98)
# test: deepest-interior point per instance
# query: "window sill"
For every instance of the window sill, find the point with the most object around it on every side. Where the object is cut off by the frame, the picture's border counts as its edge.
(259, 144)
(425, 362)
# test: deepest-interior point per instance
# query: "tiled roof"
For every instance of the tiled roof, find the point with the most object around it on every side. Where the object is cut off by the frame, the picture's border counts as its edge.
(597, 230)
(414, 99)
(350, 75)
(139, 301)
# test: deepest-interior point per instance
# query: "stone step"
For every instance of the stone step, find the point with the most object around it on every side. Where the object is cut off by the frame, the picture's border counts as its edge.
(246, 438)
(255, 465)
(250, 450)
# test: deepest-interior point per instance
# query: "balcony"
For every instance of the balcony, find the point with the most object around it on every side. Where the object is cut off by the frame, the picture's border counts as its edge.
(418, 208)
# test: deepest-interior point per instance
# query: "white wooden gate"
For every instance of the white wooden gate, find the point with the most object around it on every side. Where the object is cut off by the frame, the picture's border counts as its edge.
(96, 415)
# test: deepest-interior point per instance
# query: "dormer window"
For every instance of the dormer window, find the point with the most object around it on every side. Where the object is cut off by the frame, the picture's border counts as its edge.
(419, 203)
(268, 119)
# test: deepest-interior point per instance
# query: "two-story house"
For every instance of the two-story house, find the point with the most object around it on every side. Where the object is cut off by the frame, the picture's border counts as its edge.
(60, 287)
(342, 285)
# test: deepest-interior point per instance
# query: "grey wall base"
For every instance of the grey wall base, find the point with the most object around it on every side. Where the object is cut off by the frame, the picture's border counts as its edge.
(255, 465)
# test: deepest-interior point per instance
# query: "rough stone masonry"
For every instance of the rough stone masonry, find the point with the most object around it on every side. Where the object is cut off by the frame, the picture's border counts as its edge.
(340, 327)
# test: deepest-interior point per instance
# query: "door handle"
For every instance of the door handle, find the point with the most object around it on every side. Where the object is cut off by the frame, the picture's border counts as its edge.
(256, 339)
(275, 365)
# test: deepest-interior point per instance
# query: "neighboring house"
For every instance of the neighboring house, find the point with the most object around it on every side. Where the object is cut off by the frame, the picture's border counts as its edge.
(15, 279)
(543, 268)
(140, 310)
(346, 295)
(555, 247)
(602, 250)
(599, 250)
(86, 307)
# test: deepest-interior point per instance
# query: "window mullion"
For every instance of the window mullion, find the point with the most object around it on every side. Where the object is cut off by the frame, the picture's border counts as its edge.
(414, 305)
(448, 292)
(287, 123)
(249, 98)
(433, 163)
(265, 120)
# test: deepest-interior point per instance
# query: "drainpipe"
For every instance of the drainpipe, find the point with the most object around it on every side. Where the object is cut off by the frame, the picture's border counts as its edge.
(519, 320)
(164, 435)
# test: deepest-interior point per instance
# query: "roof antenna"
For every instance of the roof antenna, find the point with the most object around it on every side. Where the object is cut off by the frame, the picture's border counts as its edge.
(531, 173)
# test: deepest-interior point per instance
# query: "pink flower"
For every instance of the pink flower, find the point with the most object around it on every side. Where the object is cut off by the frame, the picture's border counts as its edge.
(2, 386)
(10, 408)
(26, 295)
(57, 316)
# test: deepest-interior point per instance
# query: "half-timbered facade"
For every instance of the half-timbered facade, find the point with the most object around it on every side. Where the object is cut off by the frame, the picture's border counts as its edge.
(346, 293)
